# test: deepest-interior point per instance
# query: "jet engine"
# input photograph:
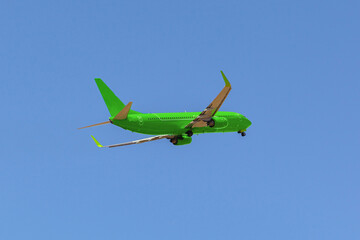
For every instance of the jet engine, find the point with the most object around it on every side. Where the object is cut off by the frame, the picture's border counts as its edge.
(218, 122)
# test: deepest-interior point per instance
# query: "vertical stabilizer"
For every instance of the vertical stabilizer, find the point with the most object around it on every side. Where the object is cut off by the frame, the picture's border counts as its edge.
(113, 103)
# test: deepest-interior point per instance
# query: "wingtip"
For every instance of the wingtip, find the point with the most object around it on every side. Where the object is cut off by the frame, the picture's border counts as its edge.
(98, 81)
(96, 141)
(227, 83)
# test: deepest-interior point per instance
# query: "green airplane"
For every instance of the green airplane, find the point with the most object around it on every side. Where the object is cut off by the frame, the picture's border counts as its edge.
(177, 127)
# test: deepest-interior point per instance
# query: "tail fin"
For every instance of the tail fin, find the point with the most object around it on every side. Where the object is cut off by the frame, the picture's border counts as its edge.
(113, 103)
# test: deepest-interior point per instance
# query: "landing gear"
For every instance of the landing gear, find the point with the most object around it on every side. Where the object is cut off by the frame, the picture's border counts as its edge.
(189, 133)
(211, 123)
(242, 133)
(174, 140)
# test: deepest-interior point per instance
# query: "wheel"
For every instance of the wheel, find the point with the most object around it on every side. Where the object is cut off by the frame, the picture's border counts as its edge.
(189, 133)
(243, 134)
(174, 140)
(211, 123)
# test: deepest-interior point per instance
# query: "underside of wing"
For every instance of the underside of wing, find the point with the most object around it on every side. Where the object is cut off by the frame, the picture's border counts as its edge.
(209, 111)
(134, 142)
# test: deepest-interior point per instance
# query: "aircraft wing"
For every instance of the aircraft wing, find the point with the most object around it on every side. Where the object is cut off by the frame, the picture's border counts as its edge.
(134, 142)
(209, 111)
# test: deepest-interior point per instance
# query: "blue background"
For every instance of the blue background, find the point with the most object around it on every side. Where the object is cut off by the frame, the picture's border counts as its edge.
(294, 69)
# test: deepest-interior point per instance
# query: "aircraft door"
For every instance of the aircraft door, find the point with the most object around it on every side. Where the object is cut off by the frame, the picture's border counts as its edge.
(141, 121)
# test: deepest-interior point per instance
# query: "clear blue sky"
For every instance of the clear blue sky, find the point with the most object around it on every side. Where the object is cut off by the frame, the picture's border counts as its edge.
(294, 68)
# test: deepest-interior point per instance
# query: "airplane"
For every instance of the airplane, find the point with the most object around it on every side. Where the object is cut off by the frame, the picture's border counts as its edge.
(178, 127)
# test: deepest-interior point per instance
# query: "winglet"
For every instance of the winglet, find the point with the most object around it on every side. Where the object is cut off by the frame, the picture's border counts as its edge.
(96, 141)
(227, 83)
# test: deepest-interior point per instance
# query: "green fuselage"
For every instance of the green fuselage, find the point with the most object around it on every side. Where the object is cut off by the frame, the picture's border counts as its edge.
(175, 123)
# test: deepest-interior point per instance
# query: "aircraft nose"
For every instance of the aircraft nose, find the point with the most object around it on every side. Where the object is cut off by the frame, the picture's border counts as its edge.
(247, 122)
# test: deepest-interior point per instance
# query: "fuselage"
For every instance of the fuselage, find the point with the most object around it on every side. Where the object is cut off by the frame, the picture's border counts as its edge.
(174, 123)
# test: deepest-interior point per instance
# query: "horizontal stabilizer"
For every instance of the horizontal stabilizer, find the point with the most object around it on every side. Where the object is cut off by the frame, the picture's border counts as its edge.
(96, 124)
(124, 112)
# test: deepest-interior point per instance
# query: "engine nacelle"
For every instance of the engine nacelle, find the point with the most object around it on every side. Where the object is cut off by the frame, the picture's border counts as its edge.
(220, 122)
(183, 140)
